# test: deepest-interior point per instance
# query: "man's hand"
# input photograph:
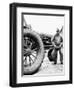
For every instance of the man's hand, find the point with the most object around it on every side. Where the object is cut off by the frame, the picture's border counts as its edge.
(54, 45)
(57, 47)
(61, 45)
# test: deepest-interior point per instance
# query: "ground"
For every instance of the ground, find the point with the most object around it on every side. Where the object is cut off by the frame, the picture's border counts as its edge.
(48, 68)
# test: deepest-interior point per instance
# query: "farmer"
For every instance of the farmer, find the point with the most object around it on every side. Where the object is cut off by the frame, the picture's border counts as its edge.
(57, 42)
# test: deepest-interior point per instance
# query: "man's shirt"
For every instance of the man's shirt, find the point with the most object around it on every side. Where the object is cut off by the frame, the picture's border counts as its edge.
(57, 39)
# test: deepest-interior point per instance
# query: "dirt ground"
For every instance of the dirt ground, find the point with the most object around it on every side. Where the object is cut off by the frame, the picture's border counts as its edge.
(48, 68)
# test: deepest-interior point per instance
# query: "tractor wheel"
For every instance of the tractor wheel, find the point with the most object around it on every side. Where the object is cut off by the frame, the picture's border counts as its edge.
(49, 55)
(52, 55)
(33, 52)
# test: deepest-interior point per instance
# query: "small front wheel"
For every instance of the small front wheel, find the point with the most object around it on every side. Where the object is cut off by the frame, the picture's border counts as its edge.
(49, 55)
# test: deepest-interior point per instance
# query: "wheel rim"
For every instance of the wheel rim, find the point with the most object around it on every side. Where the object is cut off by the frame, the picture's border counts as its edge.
(30, 50)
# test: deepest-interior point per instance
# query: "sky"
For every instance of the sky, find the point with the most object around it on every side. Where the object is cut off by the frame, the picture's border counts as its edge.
(45, 24)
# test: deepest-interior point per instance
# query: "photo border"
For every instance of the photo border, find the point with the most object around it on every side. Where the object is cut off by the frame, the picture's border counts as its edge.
(13, 44)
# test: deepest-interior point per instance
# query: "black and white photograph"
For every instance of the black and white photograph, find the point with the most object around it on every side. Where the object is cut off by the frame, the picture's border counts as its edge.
(41, 40)
(42, 44)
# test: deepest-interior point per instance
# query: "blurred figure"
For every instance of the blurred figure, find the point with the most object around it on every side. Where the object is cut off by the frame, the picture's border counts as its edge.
(57, 42)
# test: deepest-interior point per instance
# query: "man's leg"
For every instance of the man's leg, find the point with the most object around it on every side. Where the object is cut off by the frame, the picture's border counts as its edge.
(55, 59)
(61, 56)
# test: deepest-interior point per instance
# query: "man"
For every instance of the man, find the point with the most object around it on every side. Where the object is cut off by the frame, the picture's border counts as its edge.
(57, 42)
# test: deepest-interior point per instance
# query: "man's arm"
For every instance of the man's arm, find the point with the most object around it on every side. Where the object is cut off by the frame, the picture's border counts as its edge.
(52, 40)
(61, 43)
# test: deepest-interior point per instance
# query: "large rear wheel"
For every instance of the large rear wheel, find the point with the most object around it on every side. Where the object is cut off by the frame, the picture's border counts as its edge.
(33, 52)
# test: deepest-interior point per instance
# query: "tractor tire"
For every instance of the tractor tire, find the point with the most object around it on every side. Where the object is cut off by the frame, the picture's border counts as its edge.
(52, 55)
(49, 55)
(34, 62)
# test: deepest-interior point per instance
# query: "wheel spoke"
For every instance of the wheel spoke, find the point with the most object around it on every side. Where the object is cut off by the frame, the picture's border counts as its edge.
(34, 52)
(33, 55)
(25, 52)
(25, 60)
(30, 60)
(35, 49)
